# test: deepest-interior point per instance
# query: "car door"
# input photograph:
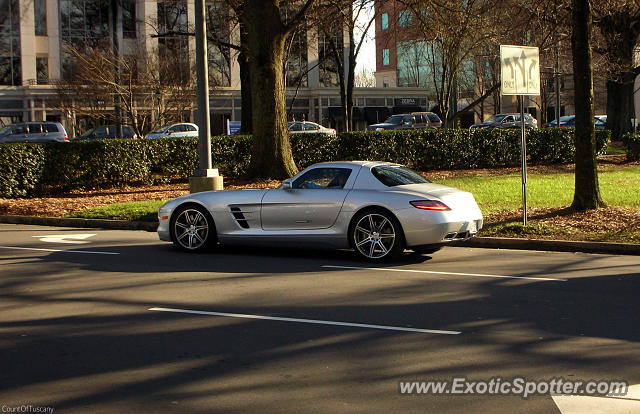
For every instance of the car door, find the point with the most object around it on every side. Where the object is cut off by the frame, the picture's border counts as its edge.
(313, 201)
(18, 133)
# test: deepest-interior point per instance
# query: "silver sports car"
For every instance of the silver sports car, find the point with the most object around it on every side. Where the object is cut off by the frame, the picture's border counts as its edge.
(379, 209)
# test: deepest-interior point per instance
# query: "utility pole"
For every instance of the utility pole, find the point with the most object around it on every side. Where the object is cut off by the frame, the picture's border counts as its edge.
(205, 177)
(116, 31)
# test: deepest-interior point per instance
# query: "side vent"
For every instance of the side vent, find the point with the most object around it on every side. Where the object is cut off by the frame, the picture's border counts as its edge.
(240, 219)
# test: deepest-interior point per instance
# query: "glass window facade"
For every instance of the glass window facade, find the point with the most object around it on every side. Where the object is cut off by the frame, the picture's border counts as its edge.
(405, 18)
(328, 65)
(173, 49)
(10, 73)
(297, 59)
(218, 32)
(84, 24)
(385, 21)
(42, 70)
(415, 63)
(40, 17)
(128, 19)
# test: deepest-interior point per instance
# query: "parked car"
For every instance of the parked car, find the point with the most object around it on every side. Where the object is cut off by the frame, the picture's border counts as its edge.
(306, 127)
(34, 132)
(108, 131)
(409, 121)
(180, 130)
(376, 208)
(506, 121)
(569, 121)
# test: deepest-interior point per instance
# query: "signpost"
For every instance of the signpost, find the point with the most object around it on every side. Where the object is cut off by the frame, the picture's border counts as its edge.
(520, 76)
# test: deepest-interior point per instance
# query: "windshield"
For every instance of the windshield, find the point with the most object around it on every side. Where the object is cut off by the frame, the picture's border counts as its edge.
(494, 119)
(161, 129)
(395, 119)
(392, 176)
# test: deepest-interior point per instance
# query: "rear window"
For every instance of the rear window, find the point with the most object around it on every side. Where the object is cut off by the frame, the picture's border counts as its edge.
(433, 117)
(392, 176)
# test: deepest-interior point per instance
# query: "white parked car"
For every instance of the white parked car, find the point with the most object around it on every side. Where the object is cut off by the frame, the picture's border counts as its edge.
(180, 130)
(306, 127)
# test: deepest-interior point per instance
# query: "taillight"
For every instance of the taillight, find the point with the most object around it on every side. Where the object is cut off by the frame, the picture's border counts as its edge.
(432, 205)
(66, 138)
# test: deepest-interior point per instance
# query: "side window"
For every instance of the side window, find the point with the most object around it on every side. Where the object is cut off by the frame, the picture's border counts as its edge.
(311, 127)
(323, 178)
(35, 128)
(508, 119)
(407, 118)
(190, 128)
(19, 129)
(50, 127)
(100, 132)
(296, 126)
(175, 128)
(433, 117)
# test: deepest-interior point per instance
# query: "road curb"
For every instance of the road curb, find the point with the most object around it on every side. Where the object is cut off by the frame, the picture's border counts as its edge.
(483, 242)
(551, 245)
(81, 222)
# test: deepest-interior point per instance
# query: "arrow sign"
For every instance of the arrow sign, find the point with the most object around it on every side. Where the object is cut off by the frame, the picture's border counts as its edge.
(520, 70)
(65, 238)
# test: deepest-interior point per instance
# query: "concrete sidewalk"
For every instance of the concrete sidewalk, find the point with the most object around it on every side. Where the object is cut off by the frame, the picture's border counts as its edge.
(484, 242)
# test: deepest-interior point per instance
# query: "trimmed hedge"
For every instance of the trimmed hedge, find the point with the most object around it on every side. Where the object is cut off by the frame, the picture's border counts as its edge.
(632, 142)
(33, 169)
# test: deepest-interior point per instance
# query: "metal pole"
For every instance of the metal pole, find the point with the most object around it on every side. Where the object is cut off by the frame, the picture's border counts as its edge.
(557, 75)
(523, 150)
(116, 29)
(202, 85)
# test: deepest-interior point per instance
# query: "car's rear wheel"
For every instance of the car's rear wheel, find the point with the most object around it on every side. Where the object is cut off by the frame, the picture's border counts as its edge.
(192, 228)
(376, 236)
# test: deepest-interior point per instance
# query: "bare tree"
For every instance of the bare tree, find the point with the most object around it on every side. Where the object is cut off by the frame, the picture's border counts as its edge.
(619, 24)
(355, 18)
(151, 92)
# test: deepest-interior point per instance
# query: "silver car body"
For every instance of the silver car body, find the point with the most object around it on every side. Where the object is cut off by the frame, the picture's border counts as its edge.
(321, 217)
(179, 130)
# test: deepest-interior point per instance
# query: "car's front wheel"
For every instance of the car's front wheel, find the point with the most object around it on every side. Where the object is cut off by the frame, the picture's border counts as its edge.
(376, 235)
(192, 228)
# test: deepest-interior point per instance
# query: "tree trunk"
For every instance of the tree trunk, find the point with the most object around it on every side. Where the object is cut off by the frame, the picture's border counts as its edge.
(246, 124)
(620, 105)
(587, 191)
(271, 155)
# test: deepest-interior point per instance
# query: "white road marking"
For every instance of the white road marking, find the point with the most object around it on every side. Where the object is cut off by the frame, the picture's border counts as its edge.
(65, 238)
(383, 269)
(56, 250)
(577, 404)
(311, 321)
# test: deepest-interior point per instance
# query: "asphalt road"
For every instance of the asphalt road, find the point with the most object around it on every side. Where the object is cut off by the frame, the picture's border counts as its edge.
(107, 325)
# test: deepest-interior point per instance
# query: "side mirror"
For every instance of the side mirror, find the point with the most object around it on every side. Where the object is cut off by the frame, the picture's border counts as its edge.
(287, 184)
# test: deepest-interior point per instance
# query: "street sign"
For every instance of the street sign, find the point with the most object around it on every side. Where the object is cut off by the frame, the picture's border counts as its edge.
(520, 70)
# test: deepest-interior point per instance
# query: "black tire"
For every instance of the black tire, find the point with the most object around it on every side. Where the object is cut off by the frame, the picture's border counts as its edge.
(376, 235)
(192, 228)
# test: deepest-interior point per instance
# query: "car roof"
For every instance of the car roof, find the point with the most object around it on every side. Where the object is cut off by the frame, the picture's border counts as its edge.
(338, 164)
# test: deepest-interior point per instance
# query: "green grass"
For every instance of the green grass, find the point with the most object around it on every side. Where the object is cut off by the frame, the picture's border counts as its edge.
(136, 210)
(614, 151)
(618, 187)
